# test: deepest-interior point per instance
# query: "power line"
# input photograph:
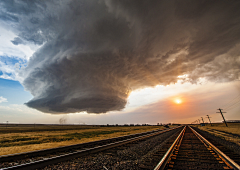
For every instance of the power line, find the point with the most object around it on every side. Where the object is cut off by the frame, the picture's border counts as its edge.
(232, 102)
(232, 106)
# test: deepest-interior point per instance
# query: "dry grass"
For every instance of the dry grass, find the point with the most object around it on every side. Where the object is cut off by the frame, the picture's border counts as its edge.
(11, 143)
(230, 133)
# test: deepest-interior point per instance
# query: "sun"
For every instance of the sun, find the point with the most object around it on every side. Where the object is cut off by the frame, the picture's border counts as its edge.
(178, 101)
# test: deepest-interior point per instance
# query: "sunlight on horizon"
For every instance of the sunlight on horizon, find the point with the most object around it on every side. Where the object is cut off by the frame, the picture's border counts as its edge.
(178, 101)
(151, 95)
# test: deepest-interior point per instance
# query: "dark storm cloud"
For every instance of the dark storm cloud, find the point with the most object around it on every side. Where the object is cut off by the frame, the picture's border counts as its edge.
(95, 52)
(17, 41)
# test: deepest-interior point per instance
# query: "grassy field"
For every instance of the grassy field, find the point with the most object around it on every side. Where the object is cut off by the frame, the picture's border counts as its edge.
(24, 138)
(230, 133)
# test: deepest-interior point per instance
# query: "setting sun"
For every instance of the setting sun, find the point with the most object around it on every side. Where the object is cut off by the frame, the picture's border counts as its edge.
(178, 101)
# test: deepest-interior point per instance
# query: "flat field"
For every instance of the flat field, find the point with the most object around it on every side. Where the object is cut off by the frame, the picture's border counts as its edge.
(30, 137)
(230, 133)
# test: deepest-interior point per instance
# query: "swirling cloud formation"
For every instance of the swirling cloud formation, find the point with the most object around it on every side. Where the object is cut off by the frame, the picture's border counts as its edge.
(94, 53)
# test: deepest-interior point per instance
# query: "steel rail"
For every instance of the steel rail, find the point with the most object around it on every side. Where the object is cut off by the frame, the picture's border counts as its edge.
(163, 162)
(24, 155)
(223, 156)
(161, 165)
(69, 156)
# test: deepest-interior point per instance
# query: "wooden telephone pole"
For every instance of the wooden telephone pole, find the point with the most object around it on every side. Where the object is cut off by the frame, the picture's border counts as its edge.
(209, 120)
(222, 116)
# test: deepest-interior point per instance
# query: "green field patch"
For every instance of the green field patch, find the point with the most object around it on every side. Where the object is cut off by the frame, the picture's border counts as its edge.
(90, 134)
(54, 139)
(21, 143)
(19, 139)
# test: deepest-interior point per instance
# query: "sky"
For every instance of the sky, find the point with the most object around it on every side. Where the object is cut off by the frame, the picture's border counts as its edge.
(119, 62)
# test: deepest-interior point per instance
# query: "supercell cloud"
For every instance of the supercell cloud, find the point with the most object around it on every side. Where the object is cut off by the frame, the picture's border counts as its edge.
(94, 53)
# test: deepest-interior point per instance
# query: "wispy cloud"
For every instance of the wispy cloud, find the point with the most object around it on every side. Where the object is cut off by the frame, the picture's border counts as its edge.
(13, 55)
(2, 99)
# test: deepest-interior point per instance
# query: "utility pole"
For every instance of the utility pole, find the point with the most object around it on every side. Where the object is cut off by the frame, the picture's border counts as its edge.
(199, 121)
(209, 120)
(203, 121)
(222, 116)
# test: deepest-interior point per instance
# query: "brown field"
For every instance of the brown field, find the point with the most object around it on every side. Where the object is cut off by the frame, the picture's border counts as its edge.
(230, 133)
(24, 138)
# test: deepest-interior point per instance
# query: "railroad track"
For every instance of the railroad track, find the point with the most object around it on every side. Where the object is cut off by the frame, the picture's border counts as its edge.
(229, 148)
(43, 158)
(192, 151)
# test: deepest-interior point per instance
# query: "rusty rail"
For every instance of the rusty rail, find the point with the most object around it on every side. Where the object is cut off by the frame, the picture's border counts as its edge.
(223, 156)
(168, 154)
